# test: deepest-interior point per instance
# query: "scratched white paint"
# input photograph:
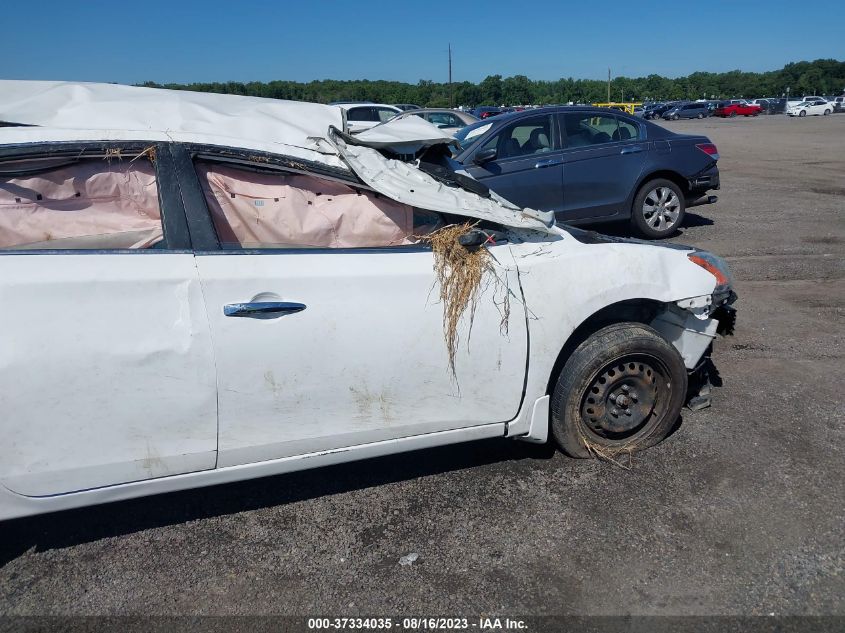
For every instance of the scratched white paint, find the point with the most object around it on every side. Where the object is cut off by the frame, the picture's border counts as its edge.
(364, 362)
(107, 371)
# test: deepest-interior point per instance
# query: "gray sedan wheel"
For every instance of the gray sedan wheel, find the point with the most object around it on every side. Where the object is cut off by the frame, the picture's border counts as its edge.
(659, 208)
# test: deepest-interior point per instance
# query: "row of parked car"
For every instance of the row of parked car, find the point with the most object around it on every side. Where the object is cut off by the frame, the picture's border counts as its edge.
(810, 105)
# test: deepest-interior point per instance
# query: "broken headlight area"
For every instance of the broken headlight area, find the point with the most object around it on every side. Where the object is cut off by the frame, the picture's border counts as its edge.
(717, 267)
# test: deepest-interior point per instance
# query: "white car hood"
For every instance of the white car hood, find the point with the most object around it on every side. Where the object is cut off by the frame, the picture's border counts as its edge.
(92, 111)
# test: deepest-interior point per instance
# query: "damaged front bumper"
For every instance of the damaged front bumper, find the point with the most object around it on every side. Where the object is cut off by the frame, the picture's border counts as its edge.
(691, 326)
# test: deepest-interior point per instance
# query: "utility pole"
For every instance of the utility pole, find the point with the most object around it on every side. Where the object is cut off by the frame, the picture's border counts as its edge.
(451, 104)
(608, 85)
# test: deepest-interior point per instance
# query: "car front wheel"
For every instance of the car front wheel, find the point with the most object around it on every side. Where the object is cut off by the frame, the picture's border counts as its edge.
(659, 208)
(802, 113)
(621, 391)
(826, 112)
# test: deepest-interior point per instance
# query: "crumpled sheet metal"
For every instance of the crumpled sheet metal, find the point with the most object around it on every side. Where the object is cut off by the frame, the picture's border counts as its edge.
(75, 105)
(308, 129)
(402, 136)
(407, 184)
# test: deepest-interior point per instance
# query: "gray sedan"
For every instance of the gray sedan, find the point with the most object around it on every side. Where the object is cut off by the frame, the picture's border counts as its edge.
(450, 121)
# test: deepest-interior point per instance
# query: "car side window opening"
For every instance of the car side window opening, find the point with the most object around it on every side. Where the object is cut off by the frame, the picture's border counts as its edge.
(362, 114)
(626, 131)
(99, 203)
(253, 209)
(444, 119)
(384, 114)
(585, 128)
(523, 138)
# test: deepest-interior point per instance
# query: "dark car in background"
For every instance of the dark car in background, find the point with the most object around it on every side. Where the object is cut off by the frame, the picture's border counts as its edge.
(591, 165)
(656, 110)
(697, 110)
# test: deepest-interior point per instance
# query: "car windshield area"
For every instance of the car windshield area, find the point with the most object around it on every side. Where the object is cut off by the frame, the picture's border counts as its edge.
(471, 134)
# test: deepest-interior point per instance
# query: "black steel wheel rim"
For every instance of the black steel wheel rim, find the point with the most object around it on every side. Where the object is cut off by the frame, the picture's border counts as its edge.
(625, 397)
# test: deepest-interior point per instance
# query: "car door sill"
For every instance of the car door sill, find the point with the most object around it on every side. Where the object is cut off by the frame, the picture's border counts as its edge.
(18, 505)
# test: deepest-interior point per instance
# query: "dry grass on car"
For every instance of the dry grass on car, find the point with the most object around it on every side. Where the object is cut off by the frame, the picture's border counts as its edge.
(460, 274)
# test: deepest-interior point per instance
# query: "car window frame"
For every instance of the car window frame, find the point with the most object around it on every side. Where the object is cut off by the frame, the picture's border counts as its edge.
(198, 215)
(639, 125)
(507, 125)
(380, 109)
(370, 108)
(176, 234)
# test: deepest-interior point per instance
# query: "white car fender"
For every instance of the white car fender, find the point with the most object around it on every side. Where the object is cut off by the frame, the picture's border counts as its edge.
(564, 282)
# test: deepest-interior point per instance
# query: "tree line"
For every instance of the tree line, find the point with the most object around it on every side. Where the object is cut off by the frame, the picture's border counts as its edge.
(819, 77)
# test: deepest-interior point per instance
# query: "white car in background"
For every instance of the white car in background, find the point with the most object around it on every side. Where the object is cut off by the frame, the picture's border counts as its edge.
(812, 107)
(362, 116)
(202, 288)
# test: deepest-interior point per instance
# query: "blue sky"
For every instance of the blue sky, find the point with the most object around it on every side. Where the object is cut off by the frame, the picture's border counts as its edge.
(246, 40)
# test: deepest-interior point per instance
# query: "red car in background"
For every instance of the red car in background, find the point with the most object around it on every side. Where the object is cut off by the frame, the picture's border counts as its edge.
(726, 108)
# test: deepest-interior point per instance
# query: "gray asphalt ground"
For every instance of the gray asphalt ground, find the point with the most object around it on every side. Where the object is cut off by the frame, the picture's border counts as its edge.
(741, 511)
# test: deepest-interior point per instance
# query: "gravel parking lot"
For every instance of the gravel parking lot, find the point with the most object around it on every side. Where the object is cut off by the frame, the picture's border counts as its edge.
(741, 511)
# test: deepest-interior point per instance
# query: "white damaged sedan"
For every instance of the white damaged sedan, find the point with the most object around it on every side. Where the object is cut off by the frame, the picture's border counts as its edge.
(201, 288)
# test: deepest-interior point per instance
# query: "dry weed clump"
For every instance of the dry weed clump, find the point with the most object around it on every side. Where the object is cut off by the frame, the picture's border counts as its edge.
(614, 454)
(460, 272)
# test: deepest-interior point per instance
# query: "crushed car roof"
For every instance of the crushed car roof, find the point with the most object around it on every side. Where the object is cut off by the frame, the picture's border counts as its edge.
(73, 111)
(71, 105)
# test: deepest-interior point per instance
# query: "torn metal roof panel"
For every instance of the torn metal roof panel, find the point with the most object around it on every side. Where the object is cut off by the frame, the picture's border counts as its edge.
(72, 105)
(68, 111)
(406, 183)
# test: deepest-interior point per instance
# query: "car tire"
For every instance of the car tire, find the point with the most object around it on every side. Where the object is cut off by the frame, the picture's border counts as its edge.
(826, 112)
(733, 114)
(620, 391)
(802, 113)
(658, 196)
(676, 117)
(700, 116)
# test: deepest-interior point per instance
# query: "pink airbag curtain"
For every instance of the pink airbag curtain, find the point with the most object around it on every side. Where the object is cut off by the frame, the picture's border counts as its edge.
(109, 203)
(259, 210)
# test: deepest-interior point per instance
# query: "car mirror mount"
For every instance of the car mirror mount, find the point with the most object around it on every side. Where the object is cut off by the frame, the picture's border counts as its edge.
(485, 156)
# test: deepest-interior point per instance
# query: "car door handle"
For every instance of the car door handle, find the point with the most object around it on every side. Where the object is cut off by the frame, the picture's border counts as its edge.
(548, 162)
(262, 309)
(633, 149)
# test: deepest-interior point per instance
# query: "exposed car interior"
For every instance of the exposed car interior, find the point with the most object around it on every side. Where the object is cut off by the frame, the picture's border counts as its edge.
(100, 203)
(258, 209)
